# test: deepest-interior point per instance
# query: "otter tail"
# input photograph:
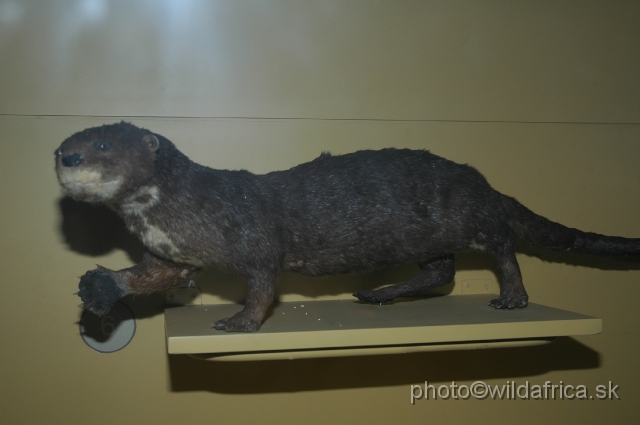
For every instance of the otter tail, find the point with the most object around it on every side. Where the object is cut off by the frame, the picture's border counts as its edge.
(539, 231)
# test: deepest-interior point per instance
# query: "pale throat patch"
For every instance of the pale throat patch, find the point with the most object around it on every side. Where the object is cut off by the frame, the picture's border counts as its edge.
(143, 199)
(88, 183)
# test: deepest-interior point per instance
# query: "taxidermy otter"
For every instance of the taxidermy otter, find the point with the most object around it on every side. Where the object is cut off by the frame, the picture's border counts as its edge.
(335, 214)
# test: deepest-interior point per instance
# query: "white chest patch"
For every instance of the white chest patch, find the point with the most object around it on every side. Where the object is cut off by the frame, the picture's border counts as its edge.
(476, 246)
(152, 236)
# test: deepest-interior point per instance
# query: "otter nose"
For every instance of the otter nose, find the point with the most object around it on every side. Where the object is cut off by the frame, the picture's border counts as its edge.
(72, 160)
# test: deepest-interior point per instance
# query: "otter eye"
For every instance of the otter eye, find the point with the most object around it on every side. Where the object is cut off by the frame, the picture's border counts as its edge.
(103, 145)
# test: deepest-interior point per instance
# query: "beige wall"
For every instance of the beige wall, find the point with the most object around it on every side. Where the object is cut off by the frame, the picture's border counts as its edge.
(542, 97)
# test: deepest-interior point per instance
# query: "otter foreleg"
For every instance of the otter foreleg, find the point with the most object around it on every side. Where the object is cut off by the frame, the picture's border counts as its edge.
(260, 290)
(435, 272)
(101, 288)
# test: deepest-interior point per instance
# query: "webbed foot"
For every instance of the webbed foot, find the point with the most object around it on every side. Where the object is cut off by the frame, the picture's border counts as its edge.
(510, 302)
(98, 291)
(370, 296)
(239, 322)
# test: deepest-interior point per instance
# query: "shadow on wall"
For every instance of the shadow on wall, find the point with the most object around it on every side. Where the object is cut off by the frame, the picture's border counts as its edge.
(273, 376)
(96, 230)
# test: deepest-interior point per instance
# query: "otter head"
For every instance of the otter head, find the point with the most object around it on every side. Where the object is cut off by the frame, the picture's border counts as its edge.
(107, 163)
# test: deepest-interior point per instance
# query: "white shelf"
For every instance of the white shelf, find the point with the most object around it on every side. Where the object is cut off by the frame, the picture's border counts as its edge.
(345, 327)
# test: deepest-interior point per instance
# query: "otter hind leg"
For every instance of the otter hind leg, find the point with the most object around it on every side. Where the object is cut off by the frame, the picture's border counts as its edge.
(512, 292)
(436, 272)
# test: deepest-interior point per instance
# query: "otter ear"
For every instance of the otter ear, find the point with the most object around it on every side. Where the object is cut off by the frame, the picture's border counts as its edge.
(151, 141)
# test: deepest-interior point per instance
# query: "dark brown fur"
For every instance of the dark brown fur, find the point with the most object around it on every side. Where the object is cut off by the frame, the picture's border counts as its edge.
(336, 214)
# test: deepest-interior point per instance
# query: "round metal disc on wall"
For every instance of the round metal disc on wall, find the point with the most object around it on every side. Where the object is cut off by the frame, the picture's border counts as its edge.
(111, 332)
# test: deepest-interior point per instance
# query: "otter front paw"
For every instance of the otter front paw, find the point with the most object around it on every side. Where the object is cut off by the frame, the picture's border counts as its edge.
(237, 323)
(98, 291)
